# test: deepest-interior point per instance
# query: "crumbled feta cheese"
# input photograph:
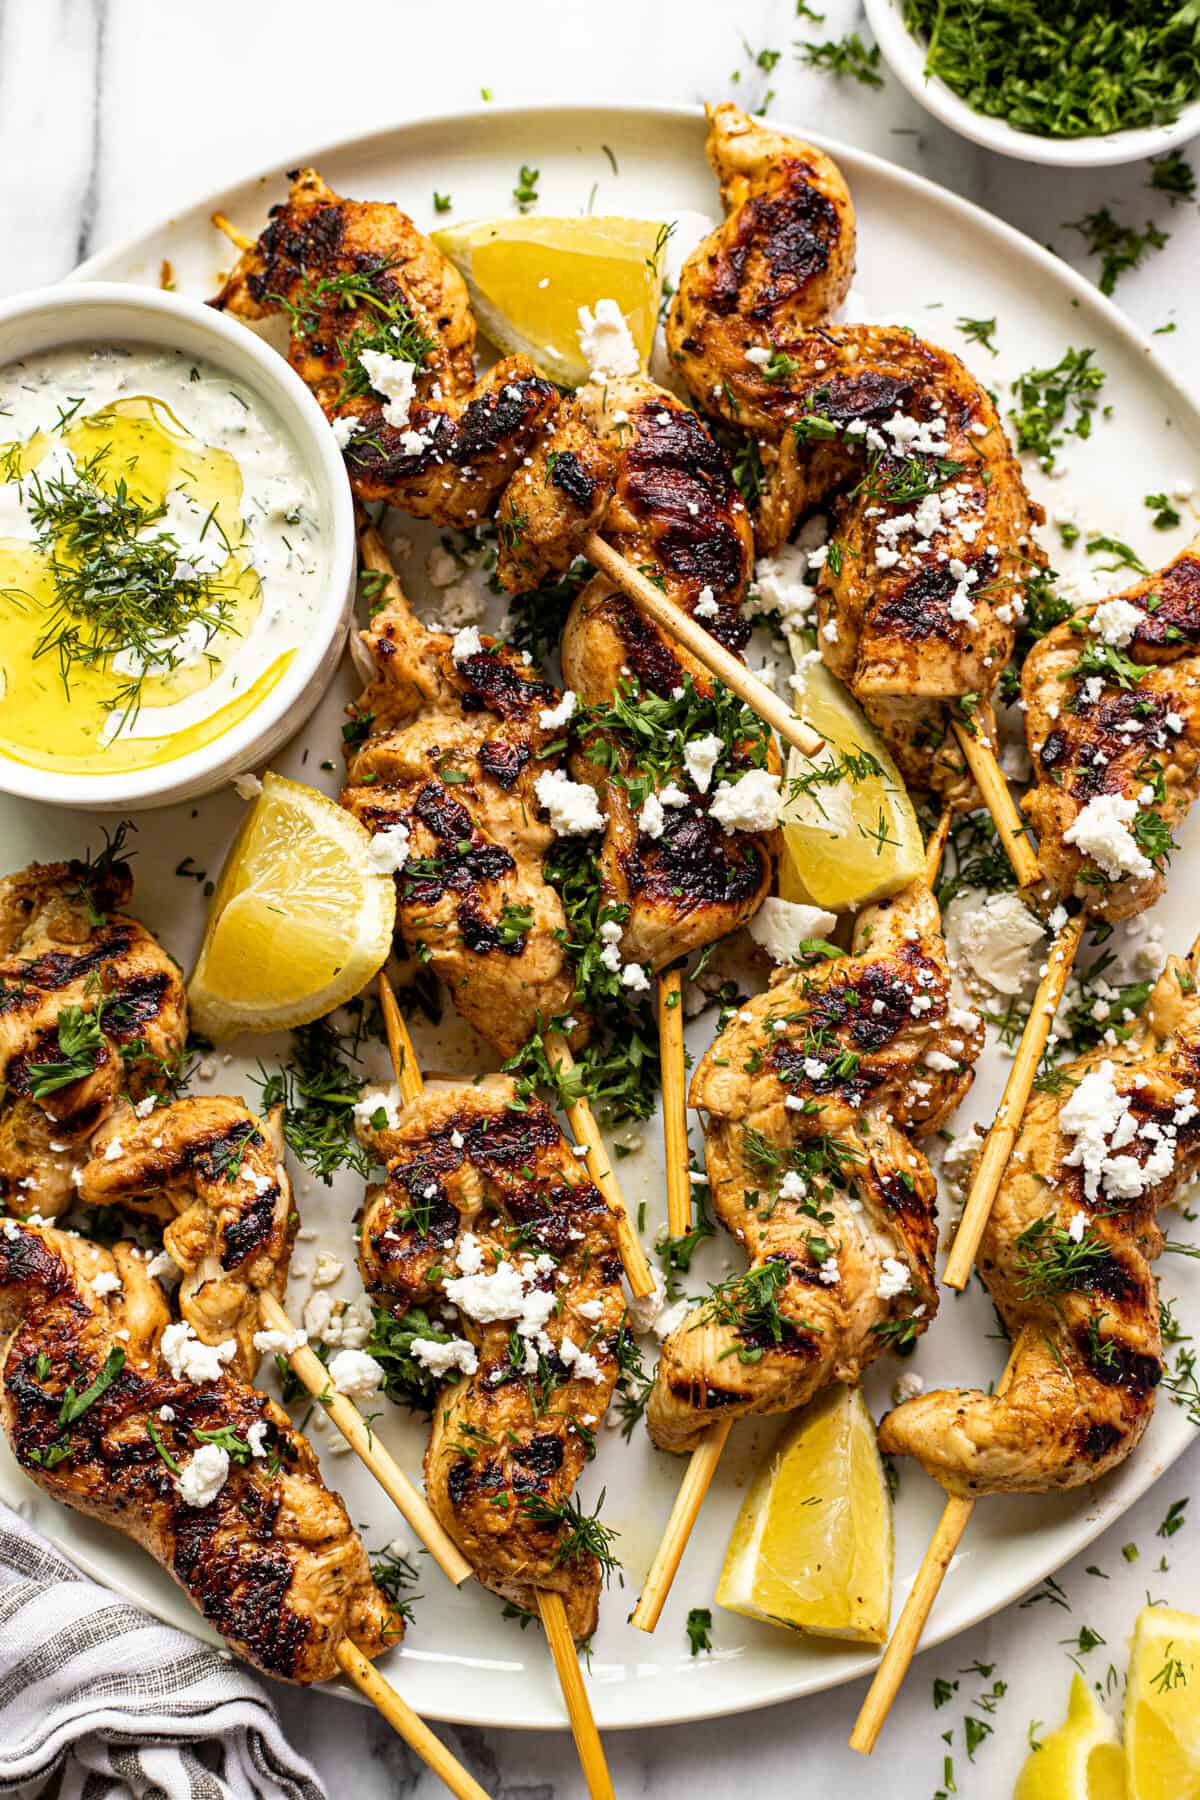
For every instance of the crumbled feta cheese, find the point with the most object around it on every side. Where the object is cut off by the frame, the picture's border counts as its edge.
(573, 807)
(907, 1387)
(440, 1358)
(940, 1062)
(388, 849)
(191, 1360)
(551, 717)
(278, 1343)
(652, 818)
(201, 1480)
(329, 1268)
(781, 927)
(781, 587)
(344, 428)
(1101, 832)
(700, 759)
(1077, 1227)
(893, 1279)
(635, 978)
(375, 1099)
(706, 605)
(166, 1414)
(759, 355)
(580, 1362)
(467, 643)
(392, 378)
(989, 937)
(750, 804)
(606, 341)
(355, 1374)
(113, 1149)
(106, 1282)
(1116, 622)
(256, 1437)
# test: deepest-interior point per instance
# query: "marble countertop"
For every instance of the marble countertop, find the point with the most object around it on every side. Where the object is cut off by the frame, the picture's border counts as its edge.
(113, 114)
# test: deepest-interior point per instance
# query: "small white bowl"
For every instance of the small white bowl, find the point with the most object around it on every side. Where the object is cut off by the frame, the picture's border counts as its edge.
(905, 56)
(96, 313)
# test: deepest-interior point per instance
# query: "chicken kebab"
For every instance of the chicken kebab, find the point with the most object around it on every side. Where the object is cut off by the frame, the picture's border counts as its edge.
(921, 583)
(206, 1474)
(1066, 1257)
(813, 1097)
(487, 1210)
(93, 1021)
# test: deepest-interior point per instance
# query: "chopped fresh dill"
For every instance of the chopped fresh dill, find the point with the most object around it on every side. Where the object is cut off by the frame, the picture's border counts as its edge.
(318, 1090)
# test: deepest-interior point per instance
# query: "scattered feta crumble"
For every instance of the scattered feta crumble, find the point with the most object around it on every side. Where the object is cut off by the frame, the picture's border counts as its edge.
(1101, 832)
(278, 1343)
(393, 378)
(700, 759)
(780, 927)
(355, 1374)
(388, 849)
(467, 643)
(606, 341)
(1116, 621)
(440, 1358)
(344, 428)
(750, 804)
(201, 1480)
(893, 1279)
(551, 717)
(189, 1359)
(106, 1282)
(573, 807)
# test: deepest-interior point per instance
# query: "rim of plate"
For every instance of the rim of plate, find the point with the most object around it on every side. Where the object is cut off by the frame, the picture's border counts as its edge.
(147, 315)
(906, 59)
(1090, 1523)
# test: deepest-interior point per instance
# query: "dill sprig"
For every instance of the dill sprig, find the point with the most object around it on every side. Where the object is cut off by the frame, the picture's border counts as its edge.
(318, 1090)
(580, 1534)
(395, 1577)
(119, 591)
(749, 1305)
(1049, 1260)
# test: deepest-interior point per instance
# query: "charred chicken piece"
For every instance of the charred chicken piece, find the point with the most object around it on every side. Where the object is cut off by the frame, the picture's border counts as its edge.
(782, 261)
(449, 750)
(215, 1172)
(812, 1097)
(1112, 716)
(677, 513)
(1066, 1257)
(97, 1420)
(92, 1010)
(485, 1207)
(360, 283)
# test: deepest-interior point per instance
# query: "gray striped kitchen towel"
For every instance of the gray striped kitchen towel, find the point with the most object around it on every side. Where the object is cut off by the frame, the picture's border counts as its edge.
(98, 1701)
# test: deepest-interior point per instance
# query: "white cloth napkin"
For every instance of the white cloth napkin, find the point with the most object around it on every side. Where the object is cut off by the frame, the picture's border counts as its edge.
(98, 1701)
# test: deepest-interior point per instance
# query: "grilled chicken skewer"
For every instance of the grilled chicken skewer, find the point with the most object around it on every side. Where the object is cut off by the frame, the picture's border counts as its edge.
(1066, 1257)
(376, 310)
(932, 524)
(451, 768)
(1112, 717)
(674, 875)
(207, 1475)
(95, 1017)
(813, 1097)
(486, 1185)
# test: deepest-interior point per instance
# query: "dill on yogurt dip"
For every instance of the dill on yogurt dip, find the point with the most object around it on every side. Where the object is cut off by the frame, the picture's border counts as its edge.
(160, 556)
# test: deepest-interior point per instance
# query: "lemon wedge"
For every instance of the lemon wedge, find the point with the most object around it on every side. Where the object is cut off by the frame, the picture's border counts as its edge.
(1162, 1707)
(300, 919)
(528, 278)
(1081, 1760)
(812, 1547)
(850, 834)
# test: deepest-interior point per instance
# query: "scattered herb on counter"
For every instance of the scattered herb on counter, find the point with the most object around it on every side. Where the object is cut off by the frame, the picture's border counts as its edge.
(846, 55)
(318, 1090)
(1174, 176)
(1120, 247)
(979, 331)
(1079, 69)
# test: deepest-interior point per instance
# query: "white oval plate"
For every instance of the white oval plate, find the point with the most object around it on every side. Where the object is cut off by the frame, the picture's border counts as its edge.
(928, 258)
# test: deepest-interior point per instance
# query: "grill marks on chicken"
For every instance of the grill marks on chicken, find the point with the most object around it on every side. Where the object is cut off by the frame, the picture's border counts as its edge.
(1121, 719)
(812, 1096)
(1069, 1272)
(476, 1182)
(677, 515)
(782, 261)
(92, 1010)
(216, 1172)
(272, 1562)
(357, 276)
(452, 752)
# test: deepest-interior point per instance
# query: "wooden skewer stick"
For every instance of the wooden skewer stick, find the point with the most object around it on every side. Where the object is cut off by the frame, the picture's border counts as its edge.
(980, 754)
(551, 1608)
(553, 1613)
(702, 1466)
(717, 660)
(1007, 1123)
(410, 1726)
(638, 1272)
(367, 1447)
(902, 1645)
(674, 1102)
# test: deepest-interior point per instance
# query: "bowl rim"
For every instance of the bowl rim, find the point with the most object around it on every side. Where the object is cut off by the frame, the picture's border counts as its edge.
(239, 351)
(906, 59)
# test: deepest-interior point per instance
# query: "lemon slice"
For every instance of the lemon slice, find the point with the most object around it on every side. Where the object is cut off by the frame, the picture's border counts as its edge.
(528, 279)
(1081, 1760)
(1162, 1707)
(300, 919)
(855, 838)
(812, 1547)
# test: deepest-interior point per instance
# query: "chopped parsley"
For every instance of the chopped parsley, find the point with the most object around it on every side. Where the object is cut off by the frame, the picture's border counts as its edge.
(843, 56)
(699, 1625)
(1056, 403)
(318, 1090)
(1120, 247)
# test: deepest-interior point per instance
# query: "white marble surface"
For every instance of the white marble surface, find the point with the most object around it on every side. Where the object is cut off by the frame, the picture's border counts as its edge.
(112, 114)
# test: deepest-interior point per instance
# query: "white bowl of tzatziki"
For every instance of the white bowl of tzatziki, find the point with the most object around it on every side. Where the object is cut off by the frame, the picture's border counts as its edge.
(177, 548)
